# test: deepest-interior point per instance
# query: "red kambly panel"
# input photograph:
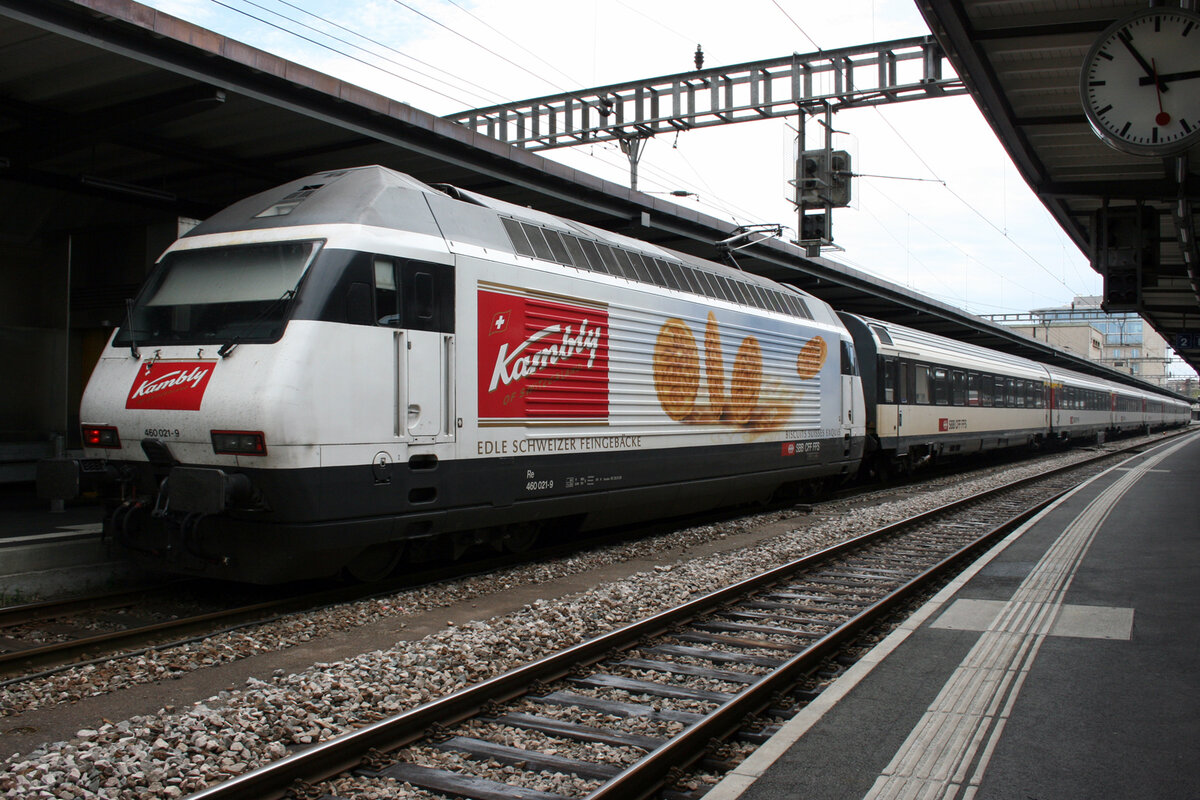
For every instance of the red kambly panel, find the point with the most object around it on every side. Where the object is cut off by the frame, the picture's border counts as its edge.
(173, 385)
(541, 358)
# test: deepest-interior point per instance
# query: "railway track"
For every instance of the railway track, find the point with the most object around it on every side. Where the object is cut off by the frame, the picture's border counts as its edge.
(40, 637)
(624, 714)
(56, 633)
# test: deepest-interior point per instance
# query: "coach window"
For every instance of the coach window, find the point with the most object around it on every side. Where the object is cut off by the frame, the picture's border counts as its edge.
(888, 386)
(905, 382)
(922, 396)
(973, 389)
(999, 394)
(1022, 389)
(958, 388)
(941, 386)
(986, 384)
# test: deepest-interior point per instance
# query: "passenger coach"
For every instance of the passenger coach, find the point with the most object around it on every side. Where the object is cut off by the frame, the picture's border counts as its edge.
(932, 396)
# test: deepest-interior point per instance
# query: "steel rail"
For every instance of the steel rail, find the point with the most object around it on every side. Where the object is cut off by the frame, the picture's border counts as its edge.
(101, 601)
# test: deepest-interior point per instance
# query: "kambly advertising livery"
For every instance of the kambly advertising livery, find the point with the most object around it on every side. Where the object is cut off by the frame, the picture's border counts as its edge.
(356, 368)
(541, 358)
(177, 385)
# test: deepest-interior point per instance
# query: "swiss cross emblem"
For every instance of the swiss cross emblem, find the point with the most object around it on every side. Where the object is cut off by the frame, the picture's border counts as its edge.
(499, 322)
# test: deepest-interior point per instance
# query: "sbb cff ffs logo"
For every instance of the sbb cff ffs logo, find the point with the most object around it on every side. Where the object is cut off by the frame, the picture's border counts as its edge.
(541, 358)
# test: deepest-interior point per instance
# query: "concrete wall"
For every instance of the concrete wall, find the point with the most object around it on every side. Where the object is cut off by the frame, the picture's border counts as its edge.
(60, 297)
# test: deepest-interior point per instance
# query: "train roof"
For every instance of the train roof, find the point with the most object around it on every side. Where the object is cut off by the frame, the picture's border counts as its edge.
(380, 197)
(899, 340)
(359, 196)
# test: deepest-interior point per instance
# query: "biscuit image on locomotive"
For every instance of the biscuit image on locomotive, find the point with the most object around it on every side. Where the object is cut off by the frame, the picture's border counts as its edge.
(356, 369)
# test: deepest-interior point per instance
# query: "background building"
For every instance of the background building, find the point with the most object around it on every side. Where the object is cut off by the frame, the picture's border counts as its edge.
(1121, 341)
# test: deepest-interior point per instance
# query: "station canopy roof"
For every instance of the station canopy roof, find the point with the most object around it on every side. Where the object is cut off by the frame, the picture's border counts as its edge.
(115, 114)
(1021, 62)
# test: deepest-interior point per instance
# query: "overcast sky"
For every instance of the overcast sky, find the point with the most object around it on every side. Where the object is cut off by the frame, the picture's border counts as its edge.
(949, 215)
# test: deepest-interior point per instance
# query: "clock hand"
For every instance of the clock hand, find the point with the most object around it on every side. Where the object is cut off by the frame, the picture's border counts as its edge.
(1162, 87)
(1170, 76)
(1162, 118)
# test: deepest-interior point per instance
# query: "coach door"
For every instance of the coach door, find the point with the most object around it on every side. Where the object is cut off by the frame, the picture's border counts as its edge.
(422, 298)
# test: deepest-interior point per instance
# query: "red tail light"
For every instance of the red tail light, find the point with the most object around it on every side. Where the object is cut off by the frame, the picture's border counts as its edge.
(239, 443)
(100, 436)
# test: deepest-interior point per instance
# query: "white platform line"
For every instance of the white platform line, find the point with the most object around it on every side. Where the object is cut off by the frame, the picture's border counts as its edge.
(959, 731)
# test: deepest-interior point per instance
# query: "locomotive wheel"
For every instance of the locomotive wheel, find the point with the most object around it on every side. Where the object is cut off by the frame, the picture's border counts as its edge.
(519, 538)
(374, 563)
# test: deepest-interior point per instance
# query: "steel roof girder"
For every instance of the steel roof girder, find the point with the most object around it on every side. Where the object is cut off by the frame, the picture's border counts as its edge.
(757, 90)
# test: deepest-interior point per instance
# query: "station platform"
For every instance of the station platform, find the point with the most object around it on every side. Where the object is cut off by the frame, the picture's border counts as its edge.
(23, 514)
(1062, 664)
(46, 553)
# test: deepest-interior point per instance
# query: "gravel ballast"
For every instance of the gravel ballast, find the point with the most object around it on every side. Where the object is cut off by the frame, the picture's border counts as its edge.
(175, 751)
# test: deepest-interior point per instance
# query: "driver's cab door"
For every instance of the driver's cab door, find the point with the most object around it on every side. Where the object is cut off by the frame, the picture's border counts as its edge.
(417, 299)
(853, 412)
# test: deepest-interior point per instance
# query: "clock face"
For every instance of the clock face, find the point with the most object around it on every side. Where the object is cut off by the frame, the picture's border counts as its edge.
(1140, 82)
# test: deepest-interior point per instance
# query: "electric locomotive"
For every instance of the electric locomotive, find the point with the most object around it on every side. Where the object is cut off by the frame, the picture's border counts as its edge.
(356, 368)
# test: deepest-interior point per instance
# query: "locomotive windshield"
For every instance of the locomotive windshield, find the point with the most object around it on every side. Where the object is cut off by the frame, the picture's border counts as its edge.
(218, 295)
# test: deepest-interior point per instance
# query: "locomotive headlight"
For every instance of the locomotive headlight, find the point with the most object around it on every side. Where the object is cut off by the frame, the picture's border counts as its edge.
(239, 443)
(100, 436)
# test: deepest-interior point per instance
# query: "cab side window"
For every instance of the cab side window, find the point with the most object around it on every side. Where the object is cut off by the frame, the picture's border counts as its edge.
(849, 365)
(414, 294)
(387, 293)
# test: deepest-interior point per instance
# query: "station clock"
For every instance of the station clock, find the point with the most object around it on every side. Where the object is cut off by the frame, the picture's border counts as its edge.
(1140, 82)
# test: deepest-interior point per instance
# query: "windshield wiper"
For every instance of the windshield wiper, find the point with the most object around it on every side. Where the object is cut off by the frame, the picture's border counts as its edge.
(133, 348)
(235, 340)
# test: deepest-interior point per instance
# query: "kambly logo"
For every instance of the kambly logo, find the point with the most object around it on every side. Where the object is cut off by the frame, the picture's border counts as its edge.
(525, 360)
(541, 358)
(171, 385)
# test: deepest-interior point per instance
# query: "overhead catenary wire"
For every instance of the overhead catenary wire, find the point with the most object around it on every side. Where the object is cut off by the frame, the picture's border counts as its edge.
(510, 40)
(973, 209)
(328, 47)
(485, 48)
(494, 94)
(662, 178)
